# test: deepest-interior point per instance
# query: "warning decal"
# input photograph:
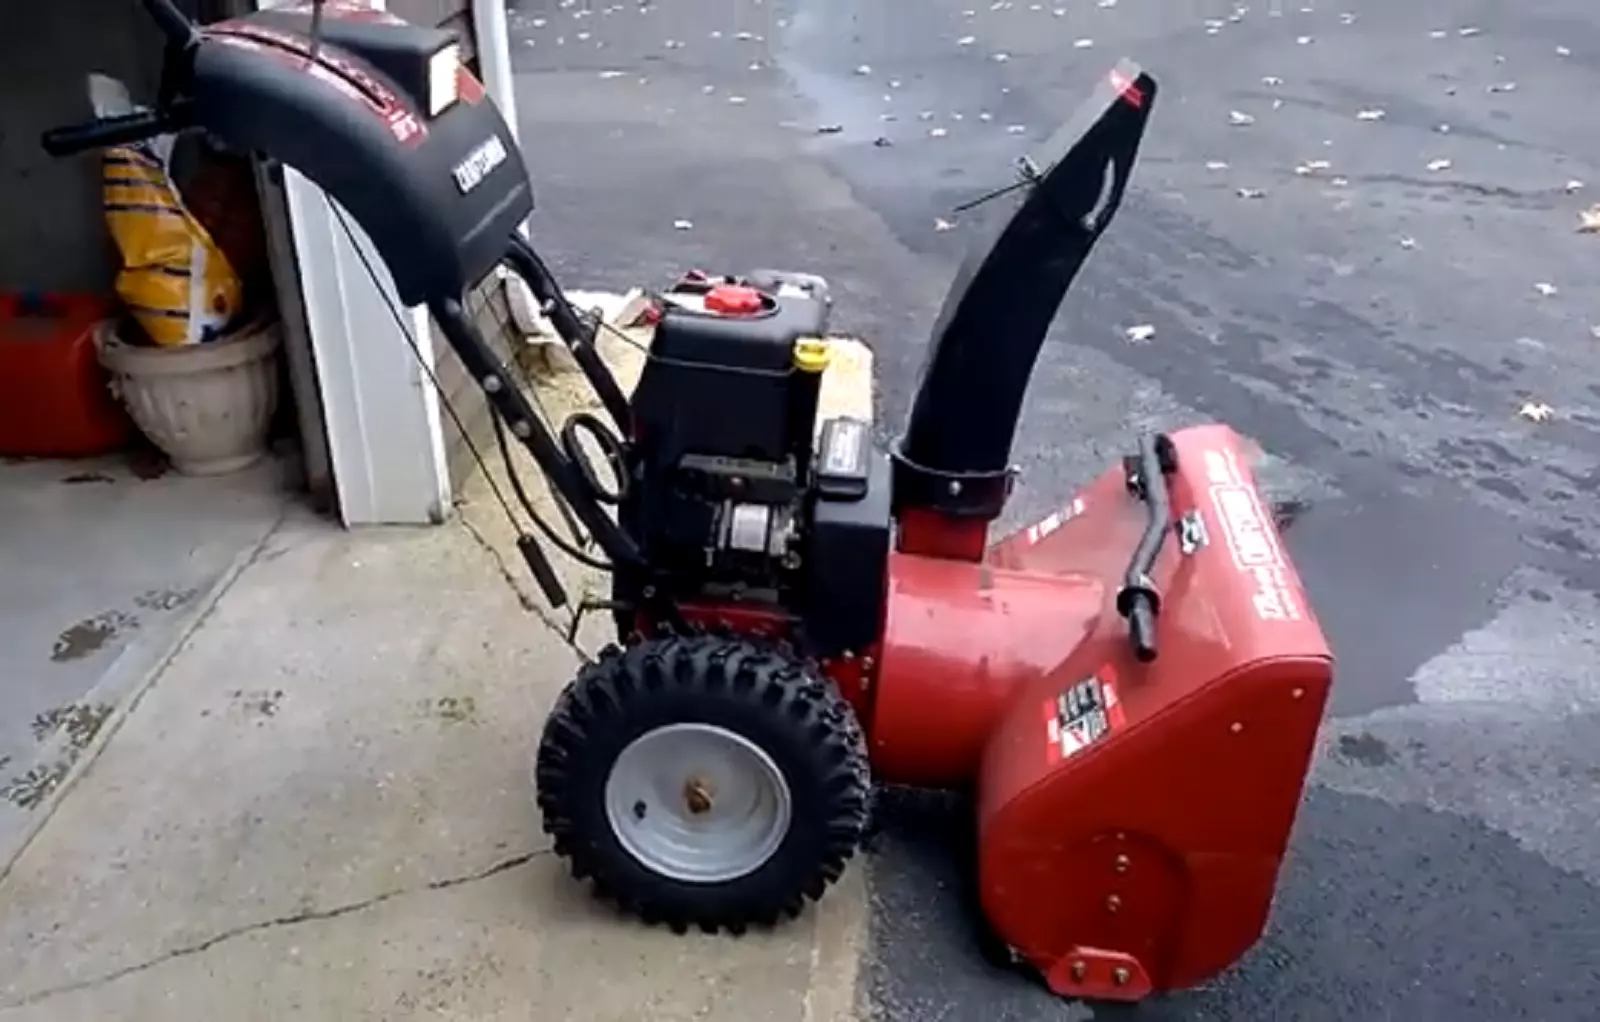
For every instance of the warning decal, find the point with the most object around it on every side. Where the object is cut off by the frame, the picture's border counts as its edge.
(1082, 715)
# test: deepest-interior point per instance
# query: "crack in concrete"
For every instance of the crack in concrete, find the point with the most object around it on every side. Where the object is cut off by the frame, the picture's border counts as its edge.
(527, 602)
(293, 919)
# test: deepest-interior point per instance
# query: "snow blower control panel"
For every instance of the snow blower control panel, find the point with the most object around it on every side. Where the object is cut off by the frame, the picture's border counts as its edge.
(383, 116)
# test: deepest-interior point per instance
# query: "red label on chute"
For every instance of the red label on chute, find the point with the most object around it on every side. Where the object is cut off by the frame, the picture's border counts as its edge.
(1128, 88)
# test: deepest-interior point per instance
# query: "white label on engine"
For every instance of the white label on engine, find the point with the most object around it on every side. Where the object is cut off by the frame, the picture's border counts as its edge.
(843, 454)
(470, 172)
(1252, 539)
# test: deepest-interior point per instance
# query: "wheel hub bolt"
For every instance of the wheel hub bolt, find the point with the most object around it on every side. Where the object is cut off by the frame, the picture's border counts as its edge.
(697, 796)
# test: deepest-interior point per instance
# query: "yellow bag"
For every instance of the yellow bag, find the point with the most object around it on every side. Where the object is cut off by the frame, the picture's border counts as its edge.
(174, 280)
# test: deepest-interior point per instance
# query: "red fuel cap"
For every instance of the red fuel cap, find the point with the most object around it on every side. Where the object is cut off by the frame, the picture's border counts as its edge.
(734, 300)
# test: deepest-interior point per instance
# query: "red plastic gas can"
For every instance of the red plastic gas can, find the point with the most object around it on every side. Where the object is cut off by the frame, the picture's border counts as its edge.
(54, 402)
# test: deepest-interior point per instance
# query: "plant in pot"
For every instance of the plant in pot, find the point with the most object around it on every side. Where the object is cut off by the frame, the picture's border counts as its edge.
(195, 364)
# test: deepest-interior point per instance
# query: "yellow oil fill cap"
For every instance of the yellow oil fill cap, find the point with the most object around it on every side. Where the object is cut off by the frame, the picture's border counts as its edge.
(812, 354)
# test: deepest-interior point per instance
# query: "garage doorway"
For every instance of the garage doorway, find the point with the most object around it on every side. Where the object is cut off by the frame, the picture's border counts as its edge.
(106, 553)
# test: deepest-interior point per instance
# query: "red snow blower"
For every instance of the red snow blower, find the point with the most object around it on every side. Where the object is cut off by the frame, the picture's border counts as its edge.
(1131, 688)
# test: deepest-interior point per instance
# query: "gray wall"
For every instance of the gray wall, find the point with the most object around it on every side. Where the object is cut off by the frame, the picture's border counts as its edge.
(51, 233)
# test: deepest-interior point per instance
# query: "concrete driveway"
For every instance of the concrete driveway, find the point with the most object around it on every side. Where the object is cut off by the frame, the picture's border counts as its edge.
(321, 809)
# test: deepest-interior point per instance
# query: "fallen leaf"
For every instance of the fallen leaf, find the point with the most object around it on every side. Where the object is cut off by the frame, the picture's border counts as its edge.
(1239, 119)
(1141, 333)
(1536, 411)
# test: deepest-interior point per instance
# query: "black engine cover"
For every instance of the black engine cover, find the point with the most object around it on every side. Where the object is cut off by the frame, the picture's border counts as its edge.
(723, 413)
(727, 386)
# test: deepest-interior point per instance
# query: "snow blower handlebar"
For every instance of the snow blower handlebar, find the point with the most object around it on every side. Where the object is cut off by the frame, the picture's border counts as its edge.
(171, 115)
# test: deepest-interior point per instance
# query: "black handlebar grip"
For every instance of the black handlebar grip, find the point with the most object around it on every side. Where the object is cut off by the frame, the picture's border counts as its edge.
(104, 132)
(1140, 603)
(541, 569)
(1142, 627)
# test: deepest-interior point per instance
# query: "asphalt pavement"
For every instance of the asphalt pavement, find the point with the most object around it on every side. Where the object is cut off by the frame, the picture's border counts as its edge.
(1353, 234)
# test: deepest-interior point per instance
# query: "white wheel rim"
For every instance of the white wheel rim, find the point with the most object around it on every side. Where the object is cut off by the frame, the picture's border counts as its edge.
(697, 803)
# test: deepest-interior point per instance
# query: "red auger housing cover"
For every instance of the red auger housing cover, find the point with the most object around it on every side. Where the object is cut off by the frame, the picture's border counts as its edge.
(1132, 816)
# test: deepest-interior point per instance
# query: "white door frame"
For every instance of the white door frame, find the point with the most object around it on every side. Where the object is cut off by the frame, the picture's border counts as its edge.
(385, 436)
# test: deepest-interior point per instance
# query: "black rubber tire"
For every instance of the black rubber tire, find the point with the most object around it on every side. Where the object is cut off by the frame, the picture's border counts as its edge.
(780, 704)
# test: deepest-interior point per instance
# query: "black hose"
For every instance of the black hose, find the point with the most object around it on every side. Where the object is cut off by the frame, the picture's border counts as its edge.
(610, 447)
(556, 540)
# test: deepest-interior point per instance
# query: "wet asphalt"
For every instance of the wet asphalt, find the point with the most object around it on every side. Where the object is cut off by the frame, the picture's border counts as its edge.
(1353, 234)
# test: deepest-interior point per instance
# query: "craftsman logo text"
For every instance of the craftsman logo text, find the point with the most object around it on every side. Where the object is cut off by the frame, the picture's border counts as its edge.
(1252, 539)
(470, 172)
